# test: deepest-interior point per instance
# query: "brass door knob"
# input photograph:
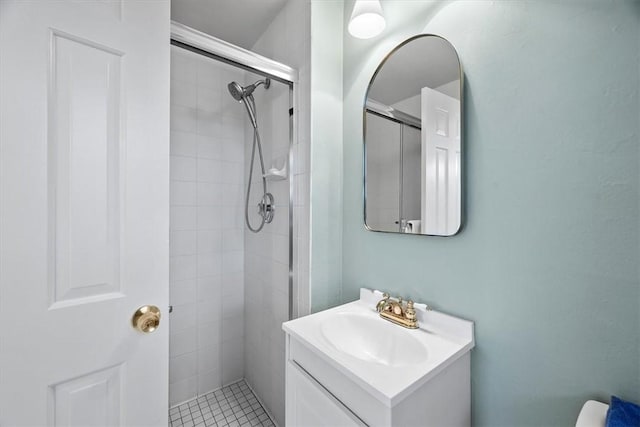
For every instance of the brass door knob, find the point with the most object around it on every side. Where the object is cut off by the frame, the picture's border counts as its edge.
(146, 319)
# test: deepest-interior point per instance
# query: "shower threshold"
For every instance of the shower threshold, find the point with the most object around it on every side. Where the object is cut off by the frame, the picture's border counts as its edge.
(233, 405)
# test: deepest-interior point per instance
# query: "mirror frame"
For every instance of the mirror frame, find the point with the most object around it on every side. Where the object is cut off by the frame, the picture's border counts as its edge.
(463, 174)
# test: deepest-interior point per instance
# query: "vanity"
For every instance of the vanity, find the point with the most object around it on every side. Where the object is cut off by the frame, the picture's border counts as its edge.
(347, 366)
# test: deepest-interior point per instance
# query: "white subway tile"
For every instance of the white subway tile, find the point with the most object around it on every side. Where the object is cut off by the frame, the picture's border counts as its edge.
(208, 74)
(233, 239)
(183, 168)
(210, 170)
(209, 241)
(208, 123)
(182, 242)
(209, 217)
(233, 305)
(183, 317)
(233, 262)
(232, 327)
(182, 367)
(232, 284)
(183, 119)
(209, 287)
(183, 144)
(233, 216)
(182, 193)
(209, 381)
(233, 147)
(183, 65)
(233, 129)
(182, 267)
(209, 311)
(232, 364)
(280, 248)
(182, 292)
(182, 391)
(210, 333)
(234, 194)
(182, 218)
(209, 358)
(232, 173)
(209, 147)
(210, 99)
(182, 342)
(209, 264)
(210, 194)
(183, 93)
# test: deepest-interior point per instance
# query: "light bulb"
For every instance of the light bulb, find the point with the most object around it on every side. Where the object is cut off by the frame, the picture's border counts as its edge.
(367, 19)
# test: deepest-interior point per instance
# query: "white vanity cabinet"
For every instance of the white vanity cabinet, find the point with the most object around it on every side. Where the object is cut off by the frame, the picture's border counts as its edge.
(351, 381)
(310, 404)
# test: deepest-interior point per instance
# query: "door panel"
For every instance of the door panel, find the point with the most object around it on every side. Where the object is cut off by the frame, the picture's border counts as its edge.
(84, 211)
(441, 163)
(84, 169)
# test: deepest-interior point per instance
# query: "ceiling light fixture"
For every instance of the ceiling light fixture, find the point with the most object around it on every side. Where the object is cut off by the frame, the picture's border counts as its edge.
(367, 19)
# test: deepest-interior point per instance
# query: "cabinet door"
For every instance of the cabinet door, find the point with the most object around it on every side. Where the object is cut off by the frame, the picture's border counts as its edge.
(310, 404)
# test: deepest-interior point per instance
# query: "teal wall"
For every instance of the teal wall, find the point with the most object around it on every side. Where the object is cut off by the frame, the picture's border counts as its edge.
(326, 154)
(547, 265)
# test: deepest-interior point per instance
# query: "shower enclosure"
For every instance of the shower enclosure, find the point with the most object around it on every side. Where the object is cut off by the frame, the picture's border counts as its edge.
(232, 123)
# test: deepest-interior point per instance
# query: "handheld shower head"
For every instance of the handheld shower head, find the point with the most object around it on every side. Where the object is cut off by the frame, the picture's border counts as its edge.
(243, 94)
(238, 92)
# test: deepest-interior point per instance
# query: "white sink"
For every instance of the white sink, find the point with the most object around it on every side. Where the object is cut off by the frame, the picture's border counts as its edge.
(387, 360)
(367, 338)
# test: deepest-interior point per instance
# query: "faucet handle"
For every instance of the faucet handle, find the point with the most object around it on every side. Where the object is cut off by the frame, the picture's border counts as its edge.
(410, 312)
(398, 308)
(382, 303)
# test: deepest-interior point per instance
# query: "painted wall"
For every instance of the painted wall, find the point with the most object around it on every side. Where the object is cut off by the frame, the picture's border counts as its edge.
(326, 154)
(547, 265)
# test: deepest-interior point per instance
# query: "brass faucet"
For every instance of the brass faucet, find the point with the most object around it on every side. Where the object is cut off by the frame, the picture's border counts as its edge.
(397, 312)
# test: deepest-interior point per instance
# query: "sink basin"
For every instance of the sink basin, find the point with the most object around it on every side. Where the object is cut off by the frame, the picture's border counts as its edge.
(387, 360)
(367, 338)
(348, 366)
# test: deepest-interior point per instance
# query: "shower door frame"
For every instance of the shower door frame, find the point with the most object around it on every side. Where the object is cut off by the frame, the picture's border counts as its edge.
(204, 44)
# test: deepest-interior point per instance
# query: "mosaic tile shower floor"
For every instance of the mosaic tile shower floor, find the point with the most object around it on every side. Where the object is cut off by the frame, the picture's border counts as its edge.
(232, 406)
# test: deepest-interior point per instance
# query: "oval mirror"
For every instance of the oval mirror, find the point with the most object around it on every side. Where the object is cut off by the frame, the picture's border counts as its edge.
(412, 137)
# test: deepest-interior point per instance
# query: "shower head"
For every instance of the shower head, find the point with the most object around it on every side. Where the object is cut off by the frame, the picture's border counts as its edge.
(238, 92)
(242, 94)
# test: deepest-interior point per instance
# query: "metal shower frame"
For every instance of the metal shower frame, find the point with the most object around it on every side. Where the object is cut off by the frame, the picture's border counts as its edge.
(212, 47)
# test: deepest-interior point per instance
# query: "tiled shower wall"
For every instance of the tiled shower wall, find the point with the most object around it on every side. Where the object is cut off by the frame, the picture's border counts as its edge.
(287, 40)
(207, 246)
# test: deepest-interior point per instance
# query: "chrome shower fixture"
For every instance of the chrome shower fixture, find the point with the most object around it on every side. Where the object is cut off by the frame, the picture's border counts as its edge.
(266, 205)
(239, 92)
(244, 95)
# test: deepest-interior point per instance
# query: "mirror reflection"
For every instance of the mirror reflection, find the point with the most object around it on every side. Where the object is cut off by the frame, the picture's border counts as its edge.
(412, 129)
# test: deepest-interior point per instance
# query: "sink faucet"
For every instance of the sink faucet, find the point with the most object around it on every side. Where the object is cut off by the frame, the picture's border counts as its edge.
(397, 312)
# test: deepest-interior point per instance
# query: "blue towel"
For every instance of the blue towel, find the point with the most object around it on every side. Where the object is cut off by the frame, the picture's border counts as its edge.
(623, 414)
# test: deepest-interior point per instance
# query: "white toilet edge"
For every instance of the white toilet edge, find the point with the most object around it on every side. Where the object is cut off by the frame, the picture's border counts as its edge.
(593, 414)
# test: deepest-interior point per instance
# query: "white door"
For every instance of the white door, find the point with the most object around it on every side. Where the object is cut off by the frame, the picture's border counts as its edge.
(440, 163)
(84, 200)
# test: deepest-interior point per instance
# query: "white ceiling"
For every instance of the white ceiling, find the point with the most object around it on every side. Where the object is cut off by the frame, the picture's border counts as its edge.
(240, 22)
